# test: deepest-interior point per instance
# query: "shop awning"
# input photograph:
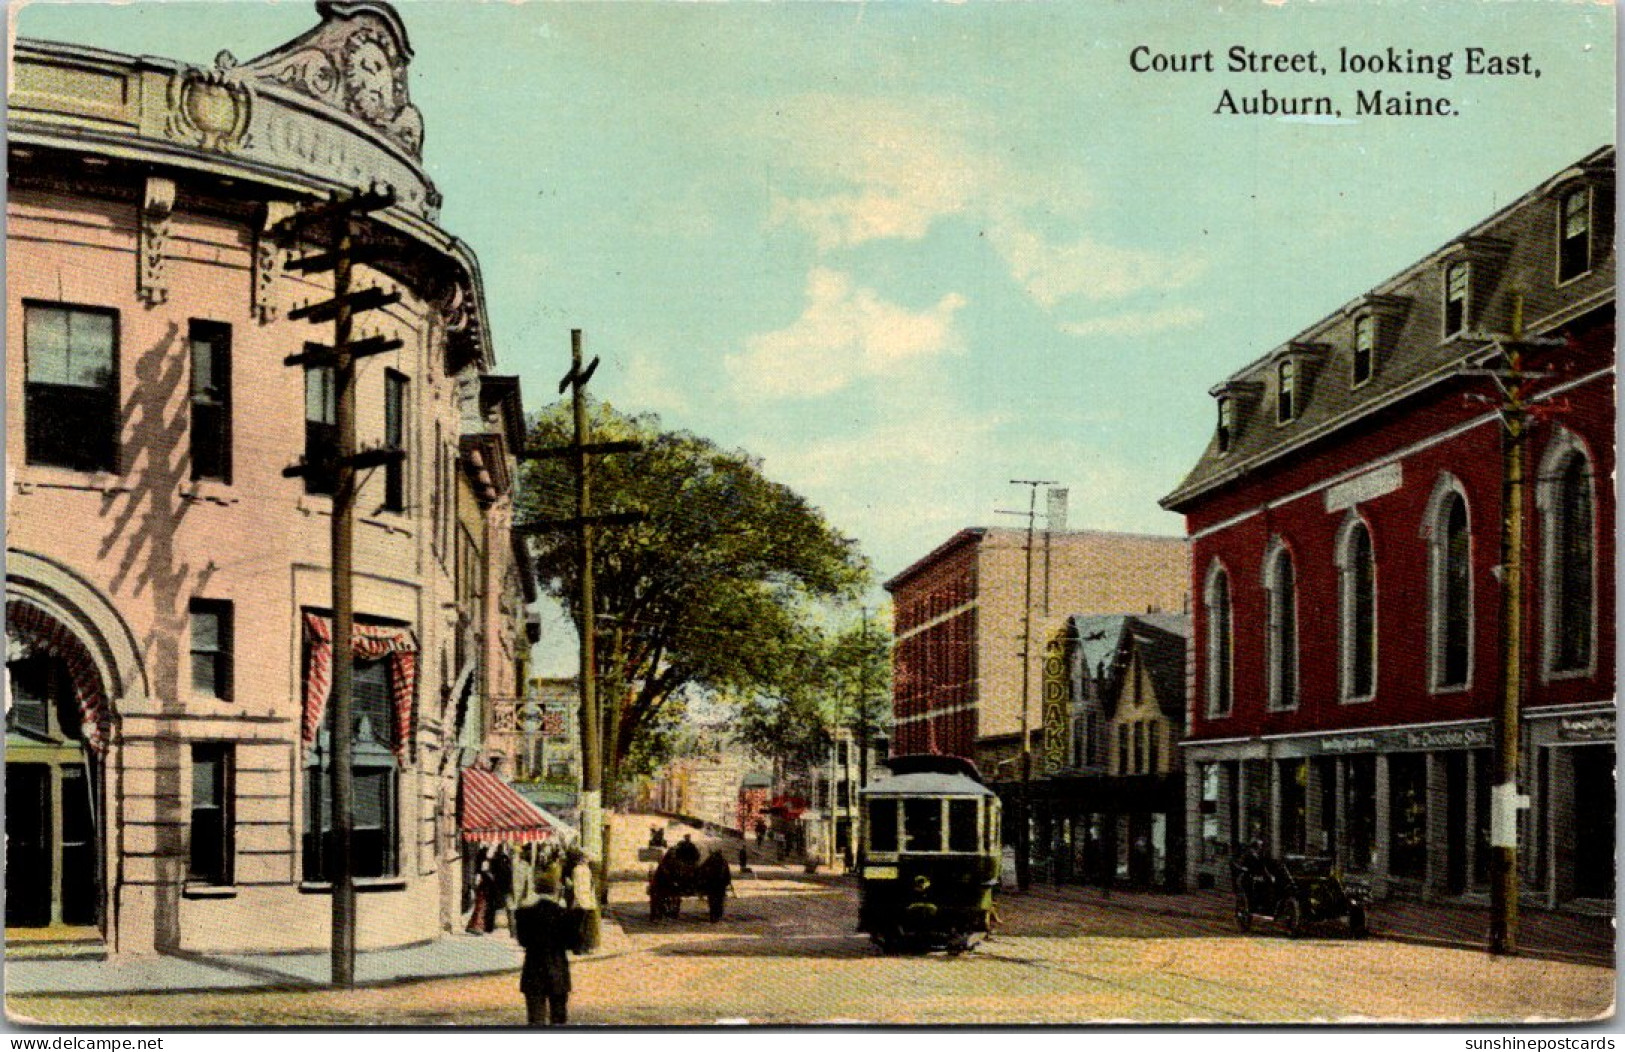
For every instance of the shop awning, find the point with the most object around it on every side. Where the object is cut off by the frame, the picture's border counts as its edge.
(494, 811)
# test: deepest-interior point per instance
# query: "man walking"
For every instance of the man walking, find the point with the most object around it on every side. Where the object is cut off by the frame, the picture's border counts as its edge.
(548, 930)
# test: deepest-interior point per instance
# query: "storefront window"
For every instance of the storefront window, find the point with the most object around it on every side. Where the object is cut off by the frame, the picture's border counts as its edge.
(1407, 814)
(1294, 775)
(1212, 849)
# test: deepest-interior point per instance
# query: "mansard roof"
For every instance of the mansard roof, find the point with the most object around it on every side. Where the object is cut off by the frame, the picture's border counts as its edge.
(1511, 253)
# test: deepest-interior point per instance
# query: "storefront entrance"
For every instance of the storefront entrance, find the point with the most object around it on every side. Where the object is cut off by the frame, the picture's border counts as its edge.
(53, 877)
(1593, 822)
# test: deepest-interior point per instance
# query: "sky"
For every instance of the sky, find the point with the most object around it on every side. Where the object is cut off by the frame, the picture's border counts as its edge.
(907, 252)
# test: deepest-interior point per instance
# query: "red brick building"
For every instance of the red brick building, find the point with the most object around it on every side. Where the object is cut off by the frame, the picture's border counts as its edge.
(959, 619)
(1346, 525)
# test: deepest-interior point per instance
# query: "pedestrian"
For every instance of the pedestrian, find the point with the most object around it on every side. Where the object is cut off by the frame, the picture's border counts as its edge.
(549, 931)
(744, 859)
(480, 915)
(761, 832)
(501, 887)
(521, 884)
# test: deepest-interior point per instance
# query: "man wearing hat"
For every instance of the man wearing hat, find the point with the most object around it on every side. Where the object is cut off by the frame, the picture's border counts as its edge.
(548, 930)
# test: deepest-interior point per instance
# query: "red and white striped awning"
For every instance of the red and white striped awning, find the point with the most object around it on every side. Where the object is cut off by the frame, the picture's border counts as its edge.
(494, 811)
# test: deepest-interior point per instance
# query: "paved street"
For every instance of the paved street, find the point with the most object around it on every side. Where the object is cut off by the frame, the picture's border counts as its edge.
(787, 954)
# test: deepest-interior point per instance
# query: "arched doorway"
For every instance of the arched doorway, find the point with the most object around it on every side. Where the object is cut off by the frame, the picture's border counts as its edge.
(56, 732)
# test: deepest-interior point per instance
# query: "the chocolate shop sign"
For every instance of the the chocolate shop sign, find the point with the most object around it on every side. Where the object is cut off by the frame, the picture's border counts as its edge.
(1410, 739)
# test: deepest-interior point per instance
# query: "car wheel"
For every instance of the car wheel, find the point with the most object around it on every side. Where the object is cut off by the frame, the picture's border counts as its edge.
(1292, 917)
(1357, 922)
(1244, 914)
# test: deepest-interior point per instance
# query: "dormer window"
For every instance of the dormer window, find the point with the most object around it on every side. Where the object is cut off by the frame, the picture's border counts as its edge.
(1456, 281)
(1286, 375)
(1365, 339)
(1227, 423)
(1574, 235)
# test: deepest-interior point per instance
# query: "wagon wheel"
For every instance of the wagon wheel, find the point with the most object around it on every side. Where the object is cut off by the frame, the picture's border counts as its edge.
(1244, 913)
(1292, 917)
(1357, 921)
(654, 906)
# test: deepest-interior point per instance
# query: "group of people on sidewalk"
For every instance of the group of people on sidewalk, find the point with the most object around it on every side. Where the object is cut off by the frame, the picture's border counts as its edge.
(545, 892)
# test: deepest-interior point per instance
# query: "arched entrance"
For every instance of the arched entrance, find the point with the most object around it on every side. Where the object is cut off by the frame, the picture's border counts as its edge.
(57, 720)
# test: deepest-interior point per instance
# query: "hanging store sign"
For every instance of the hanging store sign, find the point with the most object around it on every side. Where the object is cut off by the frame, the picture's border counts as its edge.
(1601, 727)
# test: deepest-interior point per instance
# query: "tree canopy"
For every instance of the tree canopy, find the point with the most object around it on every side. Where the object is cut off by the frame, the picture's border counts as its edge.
(844, 682)
(717, 589)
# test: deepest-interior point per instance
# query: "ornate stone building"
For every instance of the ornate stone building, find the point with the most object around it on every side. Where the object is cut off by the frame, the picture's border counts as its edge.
(168, 587)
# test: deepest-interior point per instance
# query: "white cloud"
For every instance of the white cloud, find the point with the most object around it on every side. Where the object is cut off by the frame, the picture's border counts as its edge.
(865, 169)
(1086, 268)
(1137, 323)
(844, 334)
(647, 382)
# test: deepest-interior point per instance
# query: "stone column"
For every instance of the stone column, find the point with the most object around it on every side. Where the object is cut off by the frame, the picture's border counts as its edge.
(1314, 822)
(1436, 868)
(1272, 776)
(1379, 872)
(1556, 815)
(1340, 848)
(1193, 823)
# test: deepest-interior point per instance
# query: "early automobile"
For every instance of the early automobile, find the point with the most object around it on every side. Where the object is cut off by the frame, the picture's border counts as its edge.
(1296, 891)
(929, 857)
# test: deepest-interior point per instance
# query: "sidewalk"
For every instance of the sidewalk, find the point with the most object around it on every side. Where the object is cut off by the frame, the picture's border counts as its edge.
(1585, 938)
(444, 958)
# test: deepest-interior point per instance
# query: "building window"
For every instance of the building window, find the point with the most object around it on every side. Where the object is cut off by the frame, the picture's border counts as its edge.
(1451, 592)
(321, 429)
(1152, 733)
(1286, 377)
(1574, 235)
(395, 439)
(211, 400)
(1365, 339)
(1227, 423)
(373, 845)
(1358, 608)
(211, 648)
(71, 399)
(213, 823)
(1569, 561)
(1122, 749)
(1219, 644)
(1457, 278)
(1281, 644)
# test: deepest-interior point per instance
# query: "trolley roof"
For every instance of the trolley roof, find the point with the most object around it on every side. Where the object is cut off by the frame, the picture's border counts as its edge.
(927, 783)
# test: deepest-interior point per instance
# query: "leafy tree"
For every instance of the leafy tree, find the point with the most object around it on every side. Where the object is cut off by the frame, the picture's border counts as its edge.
(714, 590)
(844, 682)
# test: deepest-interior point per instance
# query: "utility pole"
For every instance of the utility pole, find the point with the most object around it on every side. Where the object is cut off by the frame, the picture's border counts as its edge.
(334, 224)
(594, 750)
(1024, 834)
(1505, 800)
(853, 795)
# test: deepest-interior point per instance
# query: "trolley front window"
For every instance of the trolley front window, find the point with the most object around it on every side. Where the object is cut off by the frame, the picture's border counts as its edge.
(883, 826)
(922, 824)
(962, 825)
